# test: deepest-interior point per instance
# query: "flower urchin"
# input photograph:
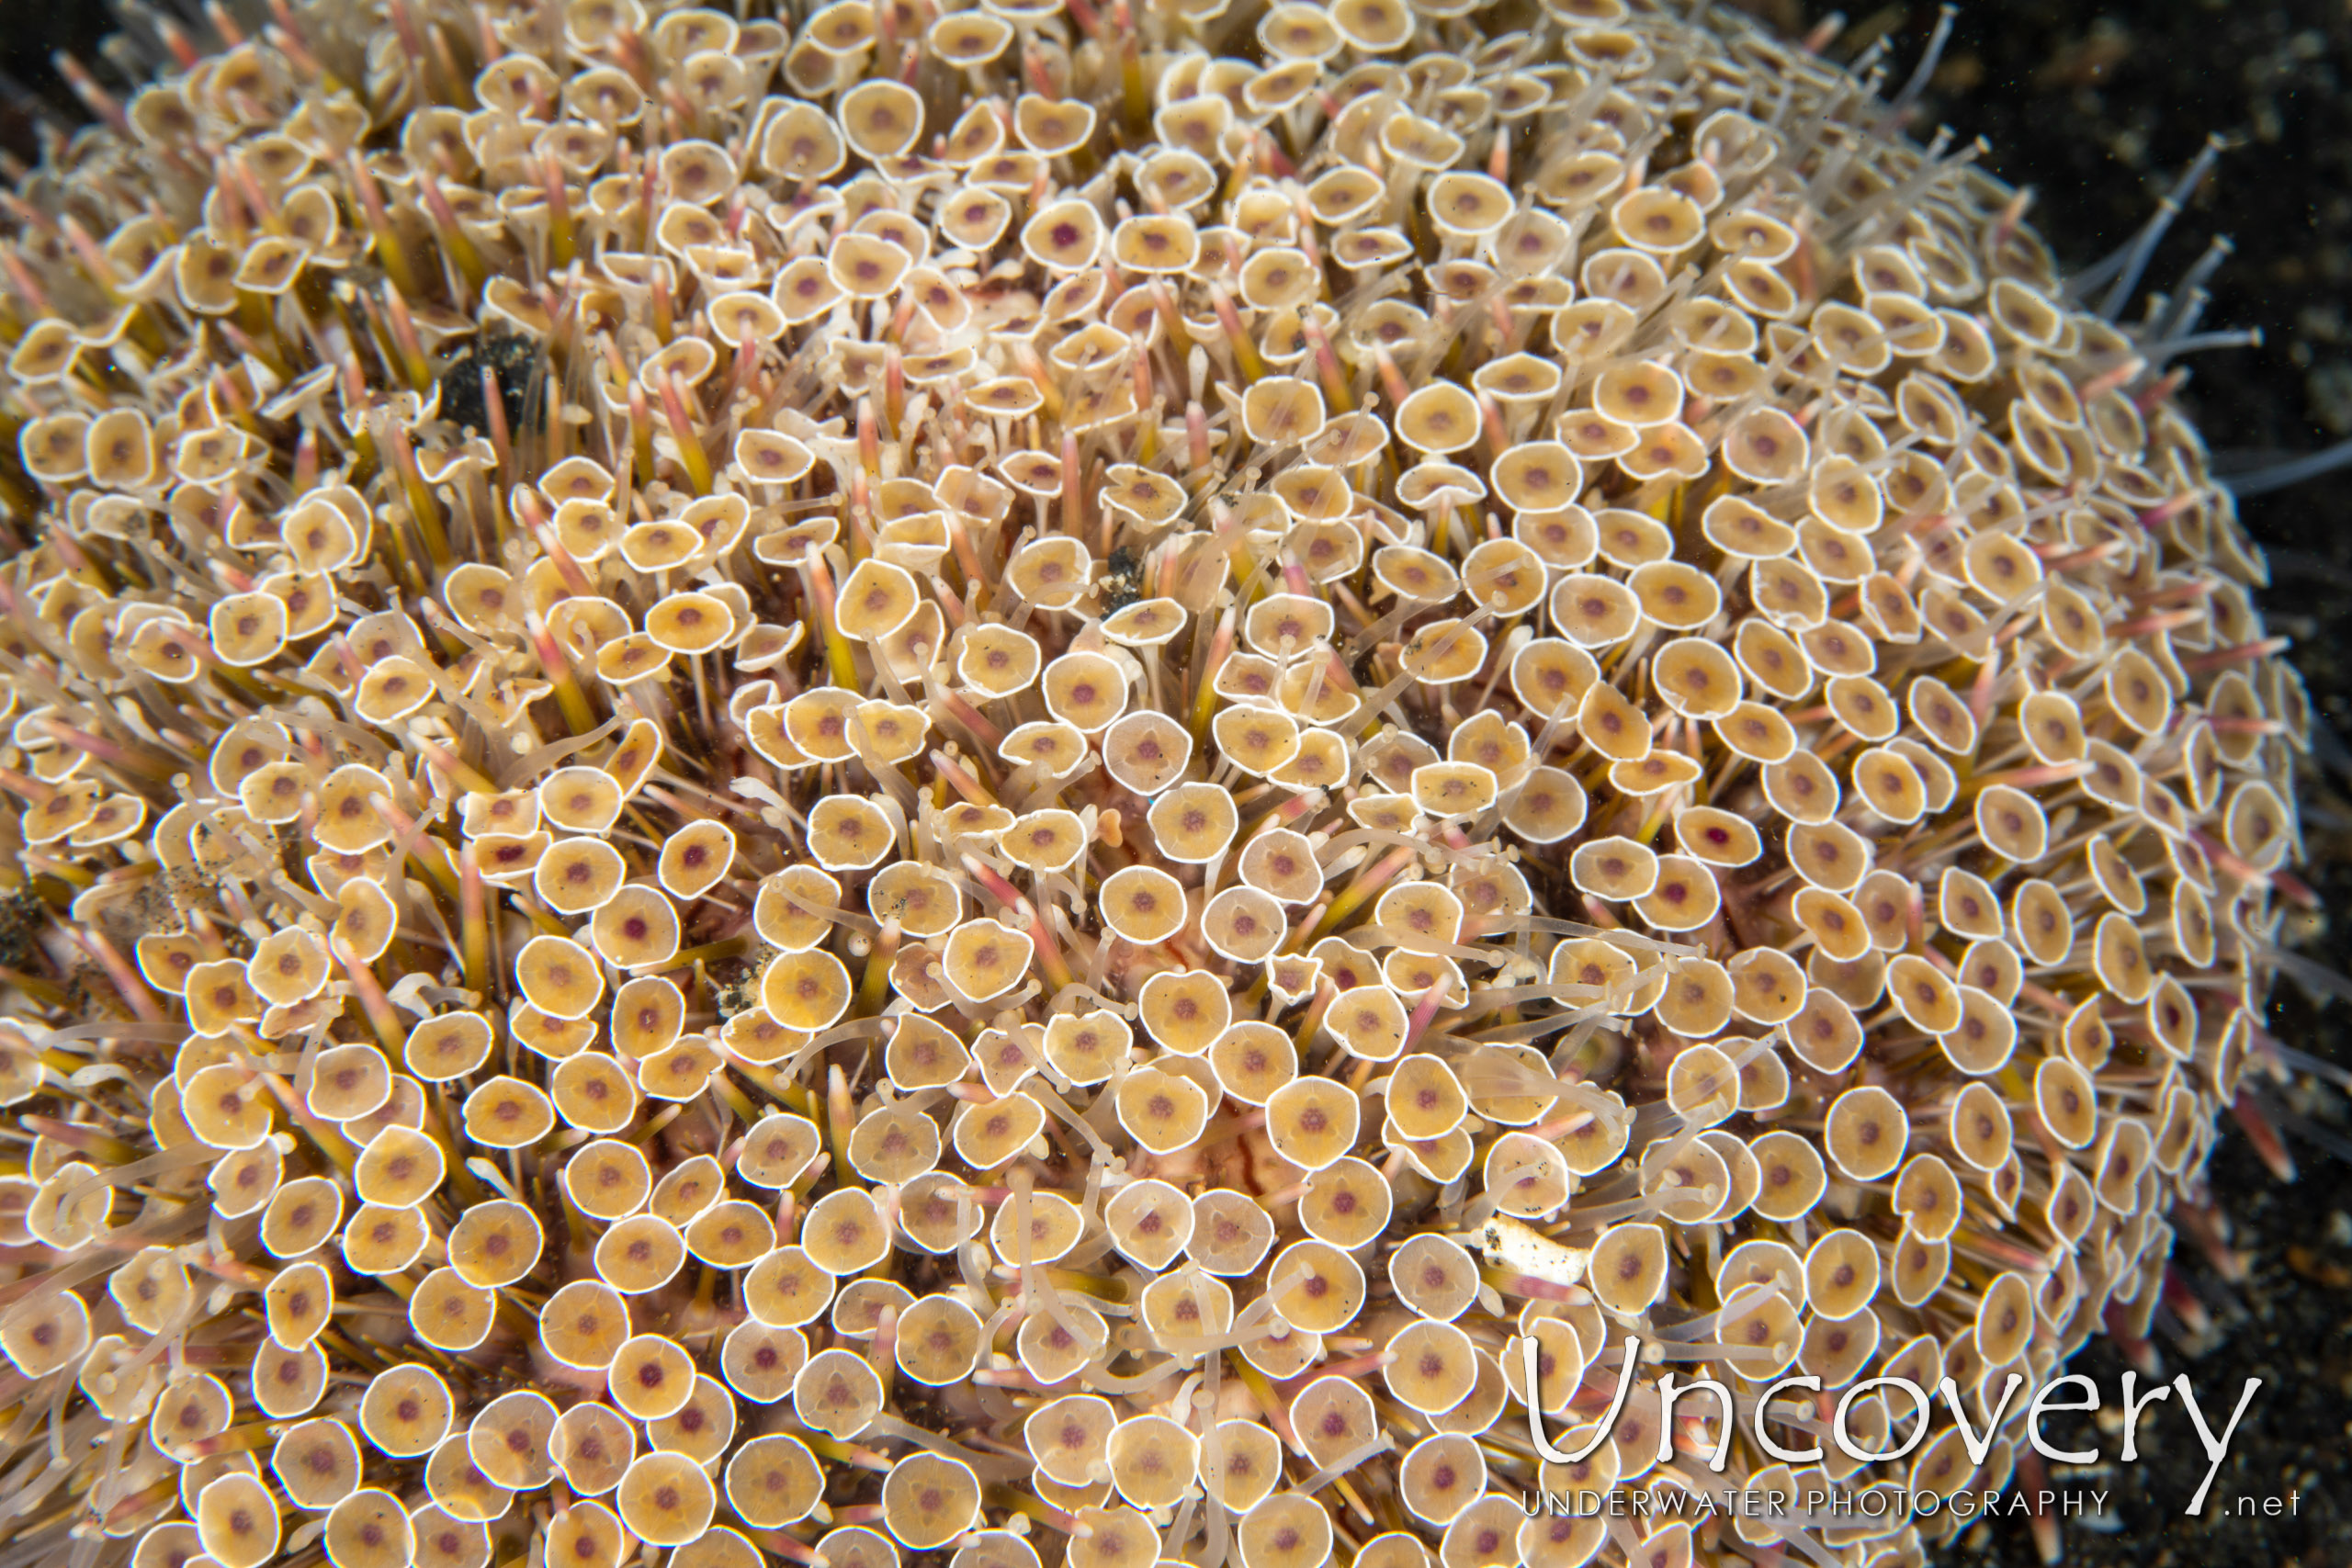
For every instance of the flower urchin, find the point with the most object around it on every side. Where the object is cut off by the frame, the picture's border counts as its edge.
(982, 783)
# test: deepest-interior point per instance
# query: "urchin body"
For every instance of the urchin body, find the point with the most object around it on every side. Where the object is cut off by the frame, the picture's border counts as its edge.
(894, 779)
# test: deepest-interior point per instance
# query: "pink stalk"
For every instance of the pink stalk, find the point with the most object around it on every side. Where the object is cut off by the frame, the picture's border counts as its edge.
(960, 780)
(493, 405)
(1423, 1011)
(2244, 653)
(125, 979)
(1049, 953)
(2264, 1137)
(96, 99)
(2032, 1479)
(682, 429)
(2164, 387)
(987, 733)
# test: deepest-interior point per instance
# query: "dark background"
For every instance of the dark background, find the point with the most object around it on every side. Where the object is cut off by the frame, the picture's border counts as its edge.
(2098, 108)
